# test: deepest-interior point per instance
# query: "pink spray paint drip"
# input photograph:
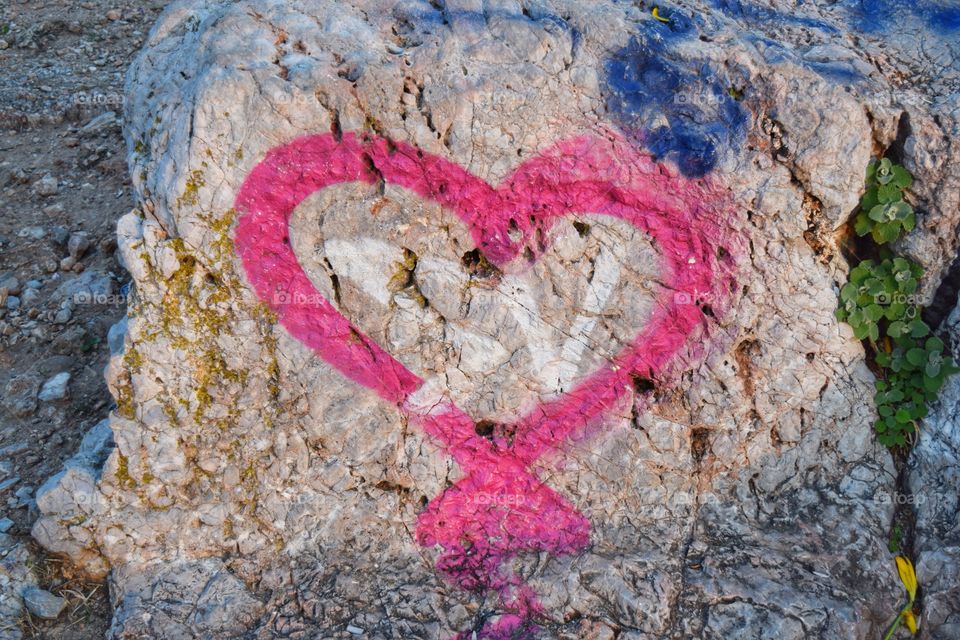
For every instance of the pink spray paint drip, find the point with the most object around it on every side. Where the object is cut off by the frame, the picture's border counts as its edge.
(479, 534)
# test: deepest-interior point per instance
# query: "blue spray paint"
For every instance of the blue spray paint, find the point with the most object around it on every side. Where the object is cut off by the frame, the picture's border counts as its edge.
(680, 110)
(751, 12)
(877, 16)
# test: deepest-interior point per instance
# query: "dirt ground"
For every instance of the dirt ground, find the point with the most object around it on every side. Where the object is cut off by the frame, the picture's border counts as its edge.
(63, 184)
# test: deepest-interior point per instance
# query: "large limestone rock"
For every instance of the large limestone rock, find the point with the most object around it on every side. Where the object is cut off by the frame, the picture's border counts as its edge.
(506, 318)
(934, 477)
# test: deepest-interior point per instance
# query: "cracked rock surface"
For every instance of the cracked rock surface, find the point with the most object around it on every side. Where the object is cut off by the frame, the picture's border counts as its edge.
(256, 491)
(933, 479)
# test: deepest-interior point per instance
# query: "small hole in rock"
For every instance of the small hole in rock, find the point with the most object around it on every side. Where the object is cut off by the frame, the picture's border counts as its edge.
(699, 443)
(642, 384)
(582, 228)
(478, 266)
(485, 428)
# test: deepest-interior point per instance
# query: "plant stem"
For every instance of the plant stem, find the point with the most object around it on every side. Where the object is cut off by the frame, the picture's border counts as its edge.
(893, 627)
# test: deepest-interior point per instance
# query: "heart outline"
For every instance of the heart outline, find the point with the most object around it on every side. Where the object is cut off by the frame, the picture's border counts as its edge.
(591, 174)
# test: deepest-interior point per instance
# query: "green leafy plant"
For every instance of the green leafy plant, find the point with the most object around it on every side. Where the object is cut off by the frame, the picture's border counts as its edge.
(883, 212)
(916, 370)
(880, 302)
(896, 539)
(878, 291)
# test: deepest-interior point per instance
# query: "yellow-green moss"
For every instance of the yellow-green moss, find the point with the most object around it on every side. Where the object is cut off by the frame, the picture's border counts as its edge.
(74, 521)
(123, 473)
(403, 278)
(125, 406)
(132, 359)
(191, 191)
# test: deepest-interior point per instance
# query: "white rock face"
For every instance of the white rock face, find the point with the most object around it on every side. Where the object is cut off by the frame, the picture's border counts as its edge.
(371, 415)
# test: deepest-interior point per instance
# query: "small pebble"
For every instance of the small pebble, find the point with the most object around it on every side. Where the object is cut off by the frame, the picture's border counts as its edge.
(60, 235)
(25, 495)
(55, 388)
(78, 244)
(43, 604)
(47, 186)
(30, 296)
(11, 284)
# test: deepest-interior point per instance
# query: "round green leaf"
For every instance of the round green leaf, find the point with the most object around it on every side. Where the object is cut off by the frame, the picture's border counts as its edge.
(909, 221)
(899, 211)
(919, 329)
(884, 171)
(879, 213)
(901, 177)
(916, 356)
(848, 291)
(932, 383)
(873, 312)
(862, 224)
(889, 193)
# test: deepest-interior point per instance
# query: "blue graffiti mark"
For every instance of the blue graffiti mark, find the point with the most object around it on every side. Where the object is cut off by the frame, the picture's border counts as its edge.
(835, 71)
(680, 110)
(876, 16)
(428, 18)
(752, 12)
(868, 16)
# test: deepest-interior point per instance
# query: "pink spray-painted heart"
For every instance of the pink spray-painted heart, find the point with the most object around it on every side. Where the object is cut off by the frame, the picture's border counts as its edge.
(500, 508)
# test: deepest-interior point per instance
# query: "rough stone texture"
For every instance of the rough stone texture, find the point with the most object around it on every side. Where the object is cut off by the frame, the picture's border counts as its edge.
(16, 577)
(935, 483)
(43, 604)
(68, 499)
(20, 394)
(255, 488)
(55, 388)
